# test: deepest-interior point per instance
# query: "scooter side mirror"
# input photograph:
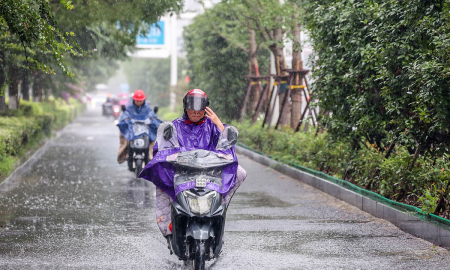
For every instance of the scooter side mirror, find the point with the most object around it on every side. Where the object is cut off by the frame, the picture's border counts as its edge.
(228, 138)
(167, 134)
(232, 135)
(155, 109)
(123, 108)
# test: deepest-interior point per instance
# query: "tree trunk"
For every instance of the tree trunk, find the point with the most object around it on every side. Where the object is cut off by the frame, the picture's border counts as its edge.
(13, 88)
(253, 71)
(277, 50)
(25, 85)
(415, 157)
(297, 63)
(280, 64)
(37, 88)
(45, 94)
(2, 81)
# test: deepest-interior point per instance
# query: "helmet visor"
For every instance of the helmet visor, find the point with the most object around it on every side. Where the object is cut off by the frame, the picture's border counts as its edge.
(195, 103)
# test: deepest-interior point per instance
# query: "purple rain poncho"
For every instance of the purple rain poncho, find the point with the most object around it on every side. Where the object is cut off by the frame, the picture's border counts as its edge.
(190, 137)
(142, 112)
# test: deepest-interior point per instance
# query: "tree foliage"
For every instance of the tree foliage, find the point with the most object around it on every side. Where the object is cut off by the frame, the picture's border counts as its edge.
(218, 67)
(80, 38)
(382, 70)
(108, 30)
(33, 25)
(266, 17)
(153, 77)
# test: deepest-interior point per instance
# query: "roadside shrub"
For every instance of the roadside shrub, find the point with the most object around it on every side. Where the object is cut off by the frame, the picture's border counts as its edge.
(165, 114)
(29, 108)
(18, 127)
(305, 149)
(15, 131)
(425, 185)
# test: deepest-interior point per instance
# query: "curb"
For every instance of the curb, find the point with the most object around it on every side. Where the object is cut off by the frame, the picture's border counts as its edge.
(402, 219)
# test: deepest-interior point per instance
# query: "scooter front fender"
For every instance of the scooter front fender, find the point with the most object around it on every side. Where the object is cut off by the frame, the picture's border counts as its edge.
(200, 231)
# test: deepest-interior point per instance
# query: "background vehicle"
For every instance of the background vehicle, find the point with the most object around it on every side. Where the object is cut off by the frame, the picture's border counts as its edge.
(124, 99)
(138, 148)
(107, 107)
(138, 155)
(98, 99)
(116, 109)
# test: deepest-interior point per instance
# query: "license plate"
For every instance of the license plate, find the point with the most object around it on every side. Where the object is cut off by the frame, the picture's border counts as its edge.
(200, 182)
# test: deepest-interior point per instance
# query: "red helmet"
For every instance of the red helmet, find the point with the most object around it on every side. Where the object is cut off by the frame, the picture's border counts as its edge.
(195, 100)
(139, 95)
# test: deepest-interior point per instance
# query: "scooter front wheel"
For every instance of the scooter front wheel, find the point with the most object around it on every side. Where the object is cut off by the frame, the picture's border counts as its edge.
(138, 168)
(199, 260)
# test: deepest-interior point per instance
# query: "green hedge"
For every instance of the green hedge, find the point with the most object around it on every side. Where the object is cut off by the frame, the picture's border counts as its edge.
(31, 121)
(424, 186)
(165, 114)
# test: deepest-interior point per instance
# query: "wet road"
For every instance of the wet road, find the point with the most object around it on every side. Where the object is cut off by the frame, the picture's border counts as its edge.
(75, 208)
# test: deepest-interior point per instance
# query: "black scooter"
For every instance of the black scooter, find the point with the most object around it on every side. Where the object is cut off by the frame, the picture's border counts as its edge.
(138, 155)
(107, 109)
(198, 216)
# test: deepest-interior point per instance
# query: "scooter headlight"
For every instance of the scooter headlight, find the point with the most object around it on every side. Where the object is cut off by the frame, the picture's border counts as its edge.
(200, 205)
(139, 143)
(116, 109)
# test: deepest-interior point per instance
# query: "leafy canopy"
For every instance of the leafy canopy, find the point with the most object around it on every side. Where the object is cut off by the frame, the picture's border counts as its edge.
(382, 69)
(217, 66)
(32, 23)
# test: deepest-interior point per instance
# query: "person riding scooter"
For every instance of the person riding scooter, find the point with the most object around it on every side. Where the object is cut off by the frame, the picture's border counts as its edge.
(198, 128)
(138, 110)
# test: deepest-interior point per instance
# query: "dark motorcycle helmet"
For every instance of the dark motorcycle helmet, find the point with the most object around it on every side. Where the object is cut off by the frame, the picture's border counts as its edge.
(195, 100)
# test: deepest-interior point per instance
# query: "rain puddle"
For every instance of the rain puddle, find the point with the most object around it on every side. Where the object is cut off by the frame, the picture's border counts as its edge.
(258, 199)
(263, 217)
(5, 233)
(315, 244)
(343, 221)
(408, 255)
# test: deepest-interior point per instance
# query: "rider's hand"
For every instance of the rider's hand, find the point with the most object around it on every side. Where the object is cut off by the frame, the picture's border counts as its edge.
(213, 117)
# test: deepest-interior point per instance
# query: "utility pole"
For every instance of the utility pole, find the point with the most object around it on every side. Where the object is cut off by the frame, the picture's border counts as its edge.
(173, 62)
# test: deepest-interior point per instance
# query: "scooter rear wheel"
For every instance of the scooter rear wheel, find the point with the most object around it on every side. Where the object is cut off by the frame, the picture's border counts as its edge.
(199, 260)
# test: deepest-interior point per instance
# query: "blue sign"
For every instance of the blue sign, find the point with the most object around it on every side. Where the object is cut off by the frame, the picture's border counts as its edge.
(124, 87)
(154, 37)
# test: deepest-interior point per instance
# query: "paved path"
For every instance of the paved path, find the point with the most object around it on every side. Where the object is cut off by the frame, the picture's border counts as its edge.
(75, 208)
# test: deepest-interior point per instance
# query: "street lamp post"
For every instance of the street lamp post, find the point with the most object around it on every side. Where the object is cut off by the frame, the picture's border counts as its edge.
(173, 62)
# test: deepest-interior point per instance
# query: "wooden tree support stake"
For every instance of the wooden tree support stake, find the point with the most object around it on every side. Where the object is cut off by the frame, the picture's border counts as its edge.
(252, 80)
(262, 97)
(293, 73)
(244, 105)
(278, 81)
(301, 118)
(285, 101)
(268, 109)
